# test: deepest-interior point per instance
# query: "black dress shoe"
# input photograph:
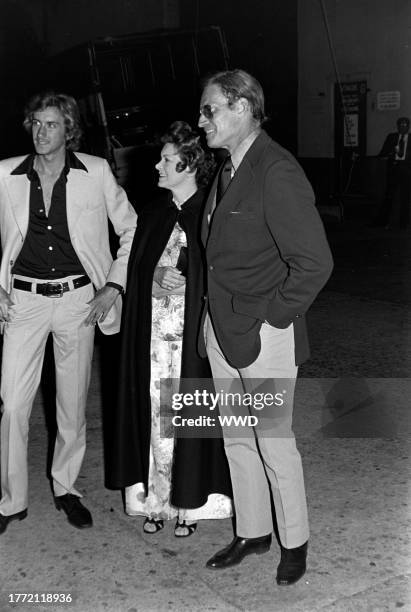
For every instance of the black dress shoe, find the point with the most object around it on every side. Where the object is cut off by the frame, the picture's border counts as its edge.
(5, 520)
(292, 565)
(239, 548)
(77, 514)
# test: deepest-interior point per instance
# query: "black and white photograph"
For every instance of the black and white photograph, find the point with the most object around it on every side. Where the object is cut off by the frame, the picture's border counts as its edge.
(205, 305)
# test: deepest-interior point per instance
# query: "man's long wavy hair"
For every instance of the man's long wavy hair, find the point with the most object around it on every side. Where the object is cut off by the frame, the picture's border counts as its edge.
(68, 108)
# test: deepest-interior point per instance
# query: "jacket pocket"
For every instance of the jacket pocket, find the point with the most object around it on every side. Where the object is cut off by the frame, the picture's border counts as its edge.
(254, 306)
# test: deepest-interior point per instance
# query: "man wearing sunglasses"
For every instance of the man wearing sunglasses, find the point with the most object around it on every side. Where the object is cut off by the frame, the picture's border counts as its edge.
(267, 258)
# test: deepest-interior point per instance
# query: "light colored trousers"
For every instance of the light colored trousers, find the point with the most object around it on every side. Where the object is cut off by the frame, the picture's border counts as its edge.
(32, 318)
(264, 461)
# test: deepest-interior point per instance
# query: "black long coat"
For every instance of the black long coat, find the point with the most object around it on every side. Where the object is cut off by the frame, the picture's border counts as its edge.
(200, 465)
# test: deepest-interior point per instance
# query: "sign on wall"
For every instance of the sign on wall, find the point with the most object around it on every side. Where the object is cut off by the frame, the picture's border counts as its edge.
(350, 130)
(388, 100)
(350, 115)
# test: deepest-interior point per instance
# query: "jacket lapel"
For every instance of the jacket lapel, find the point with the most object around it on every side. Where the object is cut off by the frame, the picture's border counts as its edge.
(77, 195)
(207, 210)
(239, 185)
(18, 188)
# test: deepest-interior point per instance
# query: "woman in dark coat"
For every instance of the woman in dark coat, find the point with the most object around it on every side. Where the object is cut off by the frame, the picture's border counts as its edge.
(160, 326)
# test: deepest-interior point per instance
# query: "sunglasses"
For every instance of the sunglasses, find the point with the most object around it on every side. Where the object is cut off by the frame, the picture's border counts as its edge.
(209, 110)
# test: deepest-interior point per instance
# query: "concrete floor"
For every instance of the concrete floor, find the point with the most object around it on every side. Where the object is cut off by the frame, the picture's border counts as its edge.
(353, 426)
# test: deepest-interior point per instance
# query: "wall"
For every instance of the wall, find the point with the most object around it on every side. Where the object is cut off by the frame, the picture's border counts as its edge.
(372, 40)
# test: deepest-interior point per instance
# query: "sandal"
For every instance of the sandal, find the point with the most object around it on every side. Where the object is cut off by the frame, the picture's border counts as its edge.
(189, 529)
(152, 525)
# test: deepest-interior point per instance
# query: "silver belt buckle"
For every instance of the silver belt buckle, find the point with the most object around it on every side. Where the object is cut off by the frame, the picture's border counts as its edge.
(54, 290)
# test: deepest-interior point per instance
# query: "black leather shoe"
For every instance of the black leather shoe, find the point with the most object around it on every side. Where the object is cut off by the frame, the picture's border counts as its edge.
(77, 514)
(292, 565)
(239, 548)
(5, 520)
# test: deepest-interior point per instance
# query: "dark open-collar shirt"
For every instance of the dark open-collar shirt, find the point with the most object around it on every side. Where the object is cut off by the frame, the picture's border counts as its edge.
(47, 252)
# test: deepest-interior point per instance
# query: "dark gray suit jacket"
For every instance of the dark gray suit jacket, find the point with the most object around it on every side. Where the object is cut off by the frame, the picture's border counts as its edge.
(388, 148)
(266, 251)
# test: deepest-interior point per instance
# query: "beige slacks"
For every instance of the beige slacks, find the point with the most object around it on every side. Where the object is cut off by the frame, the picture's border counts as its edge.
(32, 318)
(264, 461)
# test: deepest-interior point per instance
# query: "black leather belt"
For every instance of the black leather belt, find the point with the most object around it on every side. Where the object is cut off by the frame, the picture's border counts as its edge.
(51, 289)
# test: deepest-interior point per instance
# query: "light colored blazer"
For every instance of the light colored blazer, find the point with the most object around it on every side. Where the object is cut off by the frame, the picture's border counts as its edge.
(93, 197)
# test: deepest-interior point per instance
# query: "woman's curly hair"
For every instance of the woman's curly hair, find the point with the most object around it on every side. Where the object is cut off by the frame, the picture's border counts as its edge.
(193, 155)
(68, 108)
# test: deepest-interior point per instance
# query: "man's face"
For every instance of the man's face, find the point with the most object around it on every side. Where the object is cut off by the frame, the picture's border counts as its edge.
(403, 126)
(219, 121)
(169, 178)
(48, 131)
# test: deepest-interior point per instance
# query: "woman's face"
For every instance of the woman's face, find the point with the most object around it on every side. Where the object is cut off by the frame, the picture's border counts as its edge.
(169, 178)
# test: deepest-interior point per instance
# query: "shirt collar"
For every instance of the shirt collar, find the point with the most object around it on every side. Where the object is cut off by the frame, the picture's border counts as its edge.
(72, 161)
(26, 166)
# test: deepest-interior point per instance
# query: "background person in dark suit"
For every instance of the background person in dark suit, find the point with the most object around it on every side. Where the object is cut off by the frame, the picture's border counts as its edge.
(267, 259)
(397, 150)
